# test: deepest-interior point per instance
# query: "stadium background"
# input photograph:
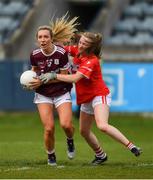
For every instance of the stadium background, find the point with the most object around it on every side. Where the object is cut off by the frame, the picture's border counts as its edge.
(126, 26)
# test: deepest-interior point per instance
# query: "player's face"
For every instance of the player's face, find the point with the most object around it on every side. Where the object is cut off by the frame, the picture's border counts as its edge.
(44, 39)
(84, 43)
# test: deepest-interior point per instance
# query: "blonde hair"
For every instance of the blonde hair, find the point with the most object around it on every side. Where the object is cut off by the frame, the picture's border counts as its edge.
(64, 28)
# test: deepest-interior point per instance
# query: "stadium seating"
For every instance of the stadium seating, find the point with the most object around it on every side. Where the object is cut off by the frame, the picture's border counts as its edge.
(12, 13)
(127, 25)
(8, 25)
(135, 25)
(0, 38)
(118, 39)
(14, 8)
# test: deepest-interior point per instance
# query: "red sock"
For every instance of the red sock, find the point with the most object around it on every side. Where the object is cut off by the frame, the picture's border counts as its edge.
(130, 145)
(99, 152)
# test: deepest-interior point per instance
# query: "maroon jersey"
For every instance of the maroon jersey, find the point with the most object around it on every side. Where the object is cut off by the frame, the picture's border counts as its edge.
(54, 62)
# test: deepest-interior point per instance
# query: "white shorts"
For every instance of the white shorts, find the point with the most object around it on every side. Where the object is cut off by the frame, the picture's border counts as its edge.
(89, 107)
(58, 100)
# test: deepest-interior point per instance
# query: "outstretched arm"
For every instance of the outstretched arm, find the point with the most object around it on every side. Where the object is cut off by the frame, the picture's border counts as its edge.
(71, 78)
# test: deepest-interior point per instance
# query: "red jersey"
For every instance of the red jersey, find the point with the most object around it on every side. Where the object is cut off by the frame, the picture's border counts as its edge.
(54, 62)
(93, 84)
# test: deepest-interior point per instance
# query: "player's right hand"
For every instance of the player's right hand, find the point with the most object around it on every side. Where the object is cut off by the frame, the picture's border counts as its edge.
(26, 87)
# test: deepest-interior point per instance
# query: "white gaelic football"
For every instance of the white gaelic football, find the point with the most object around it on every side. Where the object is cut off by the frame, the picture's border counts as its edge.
(26, 77)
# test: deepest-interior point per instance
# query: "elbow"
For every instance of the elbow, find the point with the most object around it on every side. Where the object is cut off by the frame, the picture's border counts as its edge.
(75, 80)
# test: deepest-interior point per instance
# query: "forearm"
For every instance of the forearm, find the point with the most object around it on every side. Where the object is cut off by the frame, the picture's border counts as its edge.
(71, 78)
(49, 78)
(56, 80)
(53, 81)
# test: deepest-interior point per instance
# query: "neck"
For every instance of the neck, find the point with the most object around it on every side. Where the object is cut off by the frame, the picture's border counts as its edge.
(49, 50)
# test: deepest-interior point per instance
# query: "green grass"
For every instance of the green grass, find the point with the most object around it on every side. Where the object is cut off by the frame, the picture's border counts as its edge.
(22, 153)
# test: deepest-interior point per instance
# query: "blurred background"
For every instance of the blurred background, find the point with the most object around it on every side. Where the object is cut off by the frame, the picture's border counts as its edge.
(127, 30)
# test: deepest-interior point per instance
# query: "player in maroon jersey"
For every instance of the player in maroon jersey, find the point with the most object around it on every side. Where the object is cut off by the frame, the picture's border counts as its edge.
(92, 94)
(52, 58)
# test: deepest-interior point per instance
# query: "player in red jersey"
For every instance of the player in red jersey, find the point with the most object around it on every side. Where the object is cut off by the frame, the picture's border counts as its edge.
(92, 94)
(52, 58)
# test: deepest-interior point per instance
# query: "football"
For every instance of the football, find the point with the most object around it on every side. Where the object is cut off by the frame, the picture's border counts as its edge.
(26, 77)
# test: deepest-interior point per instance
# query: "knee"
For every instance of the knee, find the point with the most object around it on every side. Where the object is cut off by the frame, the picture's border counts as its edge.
(84, 132)
(103, 127)
(67, 126)
(49, 131)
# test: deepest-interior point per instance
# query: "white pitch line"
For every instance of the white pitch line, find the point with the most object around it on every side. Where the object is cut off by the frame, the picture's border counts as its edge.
(25, 168)
(17, 169)
(140, 165)
(145, 164)
(62, 166)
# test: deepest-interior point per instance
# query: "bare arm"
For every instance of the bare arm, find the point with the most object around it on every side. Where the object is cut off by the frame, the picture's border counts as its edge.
(71, 78)
(56, 80)
(49, 78)
(34, 68)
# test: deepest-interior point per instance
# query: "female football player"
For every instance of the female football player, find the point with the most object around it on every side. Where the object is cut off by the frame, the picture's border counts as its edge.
(52, 58)
(92, 94)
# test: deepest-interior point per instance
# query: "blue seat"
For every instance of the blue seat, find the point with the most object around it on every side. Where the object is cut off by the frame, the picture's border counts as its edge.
(127, 25)
(133, 11)
(141, 5)
(7, 23)
(142, 39)
(118, 39)
(11, 16)
(146, 25)
(1, 6)
(148, 11)
(1, 40)
(14, 7)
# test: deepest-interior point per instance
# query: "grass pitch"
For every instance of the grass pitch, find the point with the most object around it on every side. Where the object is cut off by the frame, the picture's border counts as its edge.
(22, 154)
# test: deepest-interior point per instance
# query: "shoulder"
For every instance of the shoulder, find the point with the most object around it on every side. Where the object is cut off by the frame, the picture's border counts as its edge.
(73, 50)
(94, 59)
(89, 61)
(35, 52)
(60, 49)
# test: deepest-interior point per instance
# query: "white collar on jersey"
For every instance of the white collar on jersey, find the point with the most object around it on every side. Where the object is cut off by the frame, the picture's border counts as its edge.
(54, 49)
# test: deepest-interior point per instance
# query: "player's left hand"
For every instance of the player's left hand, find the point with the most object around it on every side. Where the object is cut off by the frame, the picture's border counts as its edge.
(47, 77)
(36, 83)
